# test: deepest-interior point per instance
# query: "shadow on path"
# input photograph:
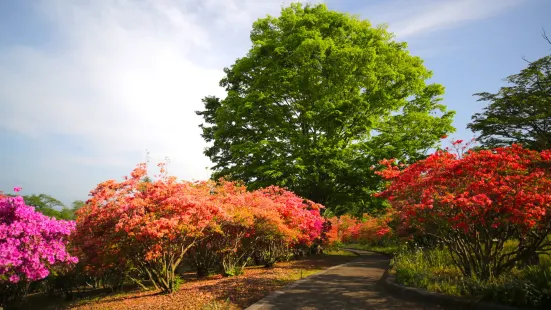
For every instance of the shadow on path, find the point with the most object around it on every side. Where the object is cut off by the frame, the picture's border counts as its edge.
(352, 286)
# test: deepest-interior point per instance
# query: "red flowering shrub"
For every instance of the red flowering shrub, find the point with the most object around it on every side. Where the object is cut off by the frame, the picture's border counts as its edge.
(146, 225)
(149, 226)
(246, 220)
(475, 203)
(364, 230)
(270, 221)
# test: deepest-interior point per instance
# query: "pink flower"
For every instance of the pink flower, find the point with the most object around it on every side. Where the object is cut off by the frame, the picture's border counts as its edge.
(17, 189)
(30, 242)
(14, 278)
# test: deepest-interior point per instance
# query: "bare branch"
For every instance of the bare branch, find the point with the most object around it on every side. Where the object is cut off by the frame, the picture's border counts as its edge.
(544, 35)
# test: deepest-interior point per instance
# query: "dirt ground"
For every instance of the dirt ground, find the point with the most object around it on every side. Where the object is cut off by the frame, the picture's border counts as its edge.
(215, 292)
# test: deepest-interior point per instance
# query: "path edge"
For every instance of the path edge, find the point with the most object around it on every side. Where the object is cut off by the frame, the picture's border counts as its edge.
(388, 281)
(273, 295)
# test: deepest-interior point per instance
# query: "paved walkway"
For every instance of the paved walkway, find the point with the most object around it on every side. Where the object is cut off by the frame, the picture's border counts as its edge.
(351, 286)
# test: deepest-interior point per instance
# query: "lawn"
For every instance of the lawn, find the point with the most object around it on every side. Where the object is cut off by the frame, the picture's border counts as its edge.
(214, 292)
(386, 249)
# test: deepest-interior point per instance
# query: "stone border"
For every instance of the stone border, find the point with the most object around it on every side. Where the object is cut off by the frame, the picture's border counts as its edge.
(415, 294)
(273, 295)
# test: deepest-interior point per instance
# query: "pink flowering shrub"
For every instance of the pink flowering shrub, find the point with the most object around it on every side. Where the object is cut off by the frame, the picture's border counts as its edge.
(30, 242)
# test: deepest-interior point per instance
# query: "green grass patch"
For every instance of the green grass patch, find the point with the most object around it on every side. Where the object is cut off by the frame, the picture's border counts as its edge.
(387, 249)
(434, 270)
(340, 253)
(295, 276)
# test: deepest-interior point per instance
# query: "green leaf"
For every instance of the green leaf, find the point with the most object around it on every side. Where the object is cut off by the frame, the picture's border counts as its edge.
(519, 113)
(320, 97)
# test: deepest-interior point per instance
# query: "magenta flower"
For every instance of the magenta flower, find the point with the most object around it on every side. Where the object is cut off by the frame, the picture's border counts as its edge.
(14, 278)
(30, 242)
(17, 189)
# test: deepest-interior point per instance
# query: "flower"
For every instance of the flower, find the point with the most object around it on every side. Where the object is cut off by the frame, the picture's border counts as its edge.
(17, 189)
(30, 242)
(14, 278)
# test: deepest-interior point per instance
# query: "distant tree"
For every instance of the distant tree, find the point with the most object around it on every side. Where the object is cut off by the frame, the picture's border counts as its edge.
(77, 204)
(49, 206)
(44, 204)
(519, 113)
(321, 97)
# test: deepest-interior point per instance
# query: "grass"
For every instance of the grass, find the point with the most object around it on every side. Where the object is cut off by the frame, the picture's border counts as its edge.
(214, 292)
(295, 276)
(340, 253)
(434, 270)
(303, 273)
(386, 249)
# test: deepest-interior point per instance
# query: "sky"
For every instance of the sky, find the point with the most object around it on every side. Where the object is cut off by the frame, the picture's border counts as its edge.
(86, 87)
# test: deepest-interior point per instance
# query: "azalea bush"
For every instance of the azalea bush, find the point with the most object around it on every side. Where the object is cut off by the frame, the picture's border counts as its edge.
(476, 202)
(148, 228)
(366, 230)
(299, 225)
(145, 225)
(234, 240)
(30, 244)
(265, 225)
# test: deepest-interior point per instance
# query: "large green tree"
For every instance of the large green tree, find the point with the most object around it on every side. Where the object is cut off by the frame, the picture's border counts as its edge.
(519, 113)
(320, 97)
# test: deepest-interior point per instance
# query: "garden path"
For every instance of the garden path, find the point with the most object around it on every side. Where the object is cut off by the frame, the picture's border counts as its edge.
(349, 286)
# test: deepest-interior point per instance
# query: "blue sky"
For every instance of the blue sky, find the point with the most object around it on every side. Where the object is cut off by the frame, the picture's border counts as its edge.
(87, 86)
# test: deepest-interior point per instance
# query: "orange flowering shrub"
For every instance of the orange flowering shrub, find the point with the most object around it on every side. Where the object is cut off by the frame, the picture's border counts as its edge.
(365, 230)
(149, 226)
(146, 225)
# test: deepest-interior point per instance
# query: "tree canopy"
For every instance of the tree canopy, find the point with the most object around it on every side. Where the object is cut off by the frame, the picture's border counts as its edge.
(320, 97)
(519, 113)
(52, 207)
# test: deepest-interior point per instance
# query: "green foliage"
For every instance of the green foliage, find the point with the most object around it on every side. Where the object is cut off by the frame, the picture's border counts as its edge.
(273, 251)
(331, 252)
(12, 294)
(389, 248)
(76, 205)
(431, 269)
(178, 281)
(218, 305)
(531, 286)
(321, 97)
(232, 270)
(50, 206)
(519, 113)
(45, 204)
(434, 270)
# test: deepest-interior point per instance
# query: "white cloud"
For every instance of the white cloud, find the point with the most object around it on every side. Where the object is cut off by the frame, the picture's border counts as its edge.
(125, 76)
(408, 18)
(122, 76)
